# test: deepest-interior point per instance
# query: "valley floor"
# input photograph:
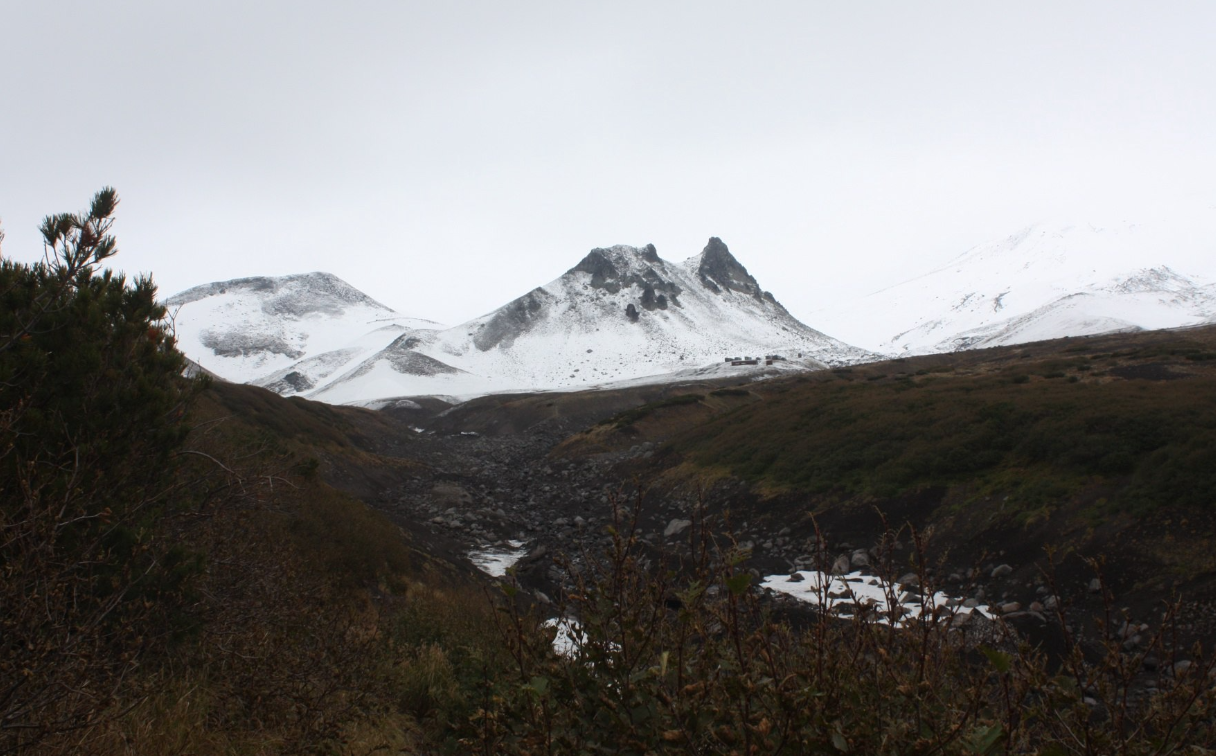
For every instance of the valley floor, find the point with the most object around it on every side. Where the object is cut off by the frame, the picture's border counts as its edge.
(553, 471)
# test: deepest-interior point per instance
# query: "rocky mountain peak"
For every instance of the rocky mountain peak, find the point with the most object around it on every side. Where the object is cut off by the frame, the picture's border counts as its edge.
(718, 270)
(620, 267)
(621, 314)
(599, 265)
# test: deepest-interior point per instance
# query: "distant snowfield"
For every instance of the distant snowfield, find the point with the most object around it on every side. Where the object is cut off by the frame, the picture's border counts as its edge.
(710, 372)
(1048, 280)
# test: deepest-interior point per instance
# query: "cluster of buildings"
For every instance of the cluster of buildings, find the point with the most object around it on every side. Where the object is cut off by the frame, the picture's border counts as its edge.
(768, 359)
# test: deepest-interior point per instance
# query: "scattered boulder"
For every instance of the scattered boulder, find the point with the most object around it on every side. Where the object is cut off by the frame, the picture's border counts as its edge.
(675, 527)
(841, 566)
(451, 494)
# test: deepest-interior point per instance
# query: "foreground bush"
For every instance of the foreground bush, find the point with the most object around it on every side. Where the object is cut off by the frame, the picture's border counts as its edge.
(700, 667)
(92, 403)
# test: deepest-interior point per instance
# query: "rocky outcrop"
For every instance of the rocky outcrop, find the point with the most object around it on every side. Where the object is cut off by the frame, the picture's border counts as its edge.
(402, 359)
(604, 274)
(719, 270)
(624, 267)
(293, 382)
(413, 363)
(513, 320)
(237, 343)
(652, 301)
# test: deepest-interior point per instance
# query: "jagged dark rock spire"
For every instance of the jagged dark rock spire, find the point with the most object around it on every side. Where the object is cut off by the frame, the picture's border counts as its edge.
(720, 270)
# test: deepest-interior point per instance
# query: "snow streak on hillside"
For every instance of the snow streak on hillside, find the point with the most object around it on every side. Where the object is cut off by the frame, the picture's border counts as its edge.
(1047, 281)
(621, 314)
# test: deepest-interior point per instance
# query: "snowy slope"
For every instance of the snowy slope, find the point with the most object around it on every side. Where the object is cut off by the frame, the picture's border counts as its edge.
(1046, 281)
(621, 313)
(289, 333)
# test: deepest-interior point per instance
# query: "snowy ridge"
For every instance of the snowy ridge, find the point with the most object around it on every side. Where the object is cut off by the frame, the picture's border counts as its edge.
(621, 315)
(1047, 281)
(261, 330)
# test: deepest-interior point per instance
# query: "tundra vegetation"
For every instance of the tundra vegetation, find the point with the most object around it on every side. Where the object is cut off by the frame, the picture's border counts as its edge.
(178, 576)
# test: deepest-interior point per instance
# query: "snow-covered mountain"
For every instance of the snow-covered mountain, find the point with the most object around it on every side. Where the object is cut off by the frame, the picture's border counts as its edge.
(289, 333)
(620, 314)
(1046, 281)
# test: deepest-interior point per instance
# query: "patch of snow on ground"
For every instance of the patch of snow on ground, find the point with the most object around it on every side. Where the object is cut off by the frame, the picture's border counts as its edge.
(394, 403)
(496, 560)
(569, 635)
(844, 593)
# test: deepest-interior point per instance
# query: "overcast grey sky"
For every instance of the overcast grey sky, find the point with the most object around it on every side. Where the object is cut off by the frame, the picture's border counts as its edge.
(445, 157)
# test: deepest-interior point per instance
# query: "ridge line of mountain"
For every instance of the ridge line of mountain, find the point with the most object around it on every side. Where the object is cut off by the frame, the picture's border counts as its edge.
(622, 313)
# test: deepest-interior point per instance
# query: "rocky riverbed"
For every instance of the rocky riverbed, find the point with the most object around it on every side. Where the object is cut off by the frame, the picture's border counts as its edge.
(499, 501)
